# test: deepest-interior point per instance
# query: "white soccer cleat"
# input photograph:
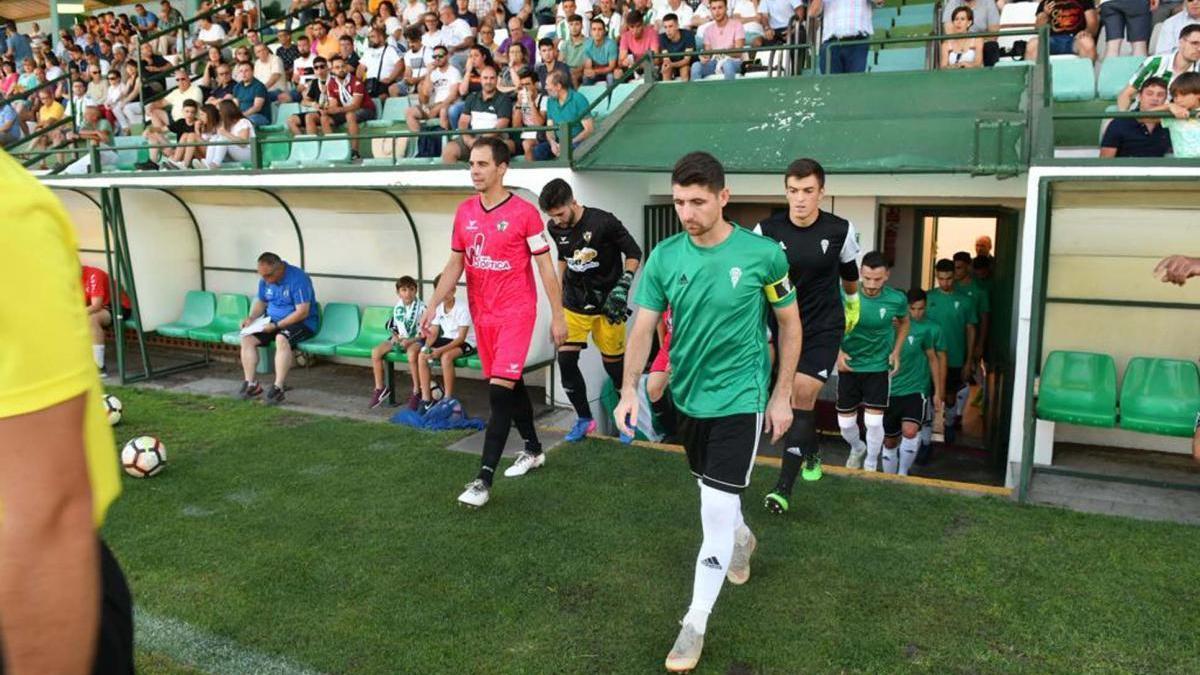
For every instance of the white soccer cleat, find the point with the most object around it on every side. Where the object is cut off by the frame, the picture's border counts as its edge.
(855, 460)
(739, 564)
(526, 462)
(476, 494)
(684, 656)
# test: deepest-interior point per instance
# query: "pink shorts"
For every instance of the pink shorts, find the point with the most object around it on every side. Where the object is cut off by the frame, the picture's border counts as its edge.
(503, 348)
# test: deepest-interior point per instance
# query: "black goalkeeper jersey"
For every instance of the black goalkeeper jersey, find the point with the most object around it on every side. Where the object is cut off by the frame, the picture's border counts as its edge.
(815, 254)
(592, 250)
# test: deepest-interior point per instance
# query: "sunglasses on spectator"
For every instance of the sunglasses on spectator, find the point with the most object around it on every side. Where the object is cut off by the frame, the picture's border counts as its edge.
(439, 55)
(321, 66)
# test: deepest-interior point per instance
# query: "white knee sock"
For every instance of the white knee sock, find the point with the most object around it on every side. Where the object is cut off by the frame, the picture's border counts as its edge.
(890, 459)
(908, 454)
(874, 422)
(719, 516)
(849, 427)
(98, 355)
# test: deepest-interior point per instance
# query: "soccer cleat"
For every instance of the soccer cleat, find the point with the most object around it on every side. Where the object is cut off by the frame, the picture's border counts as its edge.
(249, 390)
(855, 460)
(777, 501)
(476, 494)
(378, 397)
(274, 395)
(526, 462)
(583, 427)
(812, 467)
(684, 656)
(103, 372)
(739, 564)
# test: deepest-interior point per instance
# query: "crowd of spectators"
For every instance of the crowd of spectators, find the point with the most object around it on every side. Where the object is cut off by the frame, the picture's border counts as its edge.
(480, 66)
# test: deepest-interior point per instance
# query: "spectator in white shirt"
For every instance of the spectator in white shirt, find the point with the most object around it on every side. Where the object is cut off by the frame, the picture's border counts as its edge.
(381, 66)
(210, 35)
(413, 12)
(1168, 37)
(456, 35)
(437, 92)
(268, 69)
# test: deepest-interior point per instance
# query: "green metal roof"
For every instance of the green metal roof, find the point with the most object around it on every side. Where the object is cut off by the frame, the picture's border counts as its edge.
(932, 122)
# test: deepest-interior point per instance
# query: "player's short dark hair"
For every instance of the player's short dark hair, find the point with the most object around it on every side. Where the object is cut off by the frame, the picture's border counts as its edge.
(500, 151)
(406, 282)
(962, 256)
(414, 32)
(337, 57)
(320, 61)
(805, 167)
(526, 72)
(944, 265)
(1188, 30)
(1153, 82)
(982, 262)
(699, 168)
(1186, 83)
(633, 18)
(916, 295)
(268, 258)
(575, 18)
(670, 16)
(556, 193)
(874, 260)
(597, 20)
(545, 42)
(191, 103)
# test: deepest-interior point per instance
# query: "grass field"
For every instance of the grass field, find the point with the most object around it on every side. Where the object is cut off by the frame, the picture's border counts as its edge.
(337, 546)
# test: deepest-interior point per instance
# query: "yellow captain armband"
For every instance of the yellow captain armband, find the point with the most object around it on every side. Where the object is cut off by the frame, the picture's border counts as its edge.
(778, 291)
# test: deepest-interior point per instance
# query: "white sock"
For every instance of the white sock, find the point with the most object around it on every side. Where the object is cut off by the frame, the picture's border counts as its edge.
(908, 454)
(960, 400)
(849, 428)
(891, 459)
(718, 518)
(98, 355)
(874, 422)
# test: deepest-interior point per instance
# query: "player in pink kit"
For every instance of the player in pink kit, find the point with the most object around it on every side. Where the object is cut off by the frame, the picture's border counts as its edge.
(496, 233)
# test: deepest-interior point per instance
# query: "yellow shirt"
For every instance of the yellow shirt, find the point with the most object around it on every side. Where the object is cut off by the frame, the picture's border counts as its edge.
(45, 342)
(328, 47)
(51, 113)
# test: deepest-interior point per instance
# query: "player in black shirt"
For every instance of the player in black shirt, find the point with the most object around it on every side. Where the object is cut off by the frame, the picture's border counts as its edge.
(595, 279)
(822, 252)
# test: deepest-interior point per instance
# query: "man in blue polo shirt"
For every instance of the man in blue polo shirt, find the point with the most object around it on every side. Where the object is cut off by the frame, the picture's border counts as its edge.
(564, 107)
(1142, 137)
(286, 296)
(251, 95)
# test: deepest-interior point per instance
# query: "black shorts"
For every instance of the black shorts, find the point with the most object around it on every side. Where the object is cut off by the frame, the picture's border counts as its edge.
(818, 353)
(295, 334)
(467, 348)
(901, 409)
(338, 119)
(868, 390)
(721, 450)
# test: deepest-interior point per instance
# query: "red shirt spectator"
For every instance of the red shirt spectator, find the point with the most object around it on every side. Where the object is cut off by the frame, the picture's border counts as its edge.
(95, 285)
(343, 92)
(637, 46)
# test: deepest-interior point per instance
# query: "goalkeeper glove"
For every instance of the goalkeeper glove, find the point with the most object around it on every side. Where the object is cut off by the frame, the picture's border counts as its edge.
(616, 305)
(852, 306)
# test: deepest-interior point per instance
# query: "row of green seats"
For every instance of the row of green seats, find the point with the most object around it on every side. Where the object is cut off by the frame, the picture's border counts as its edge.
(1157, 396)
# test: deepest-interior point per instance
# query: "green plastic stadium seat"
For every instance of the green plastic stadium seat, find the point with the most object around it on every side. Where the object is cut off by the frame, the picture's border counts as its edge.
(882, 17)
(474, 362)
(231, 309)
(373, 330)
(592, 92)
(127, 149)
(339, 326)
(379, 161)
(893, 60)
(1073, 79)
(304, 152)
(199, 308)
(1160, 396)
(909, 31)
(1115, 72)
(619, 94)
(279, 121)
(334, 152)
(393, 113)
(275, 152)
(1078, 388)
(915, 15)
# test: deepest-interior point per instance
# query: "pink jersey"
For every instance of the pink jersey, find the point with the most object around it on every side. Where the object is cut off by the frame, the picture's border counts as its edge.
(498, 244)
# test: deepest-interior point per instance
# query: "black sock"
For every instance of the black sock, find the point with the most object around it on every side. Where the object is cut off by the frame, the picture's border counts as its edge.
(798, 443)
(664, 410)
(523, 418)
(499, 423)
(573, 382)
(616, 372)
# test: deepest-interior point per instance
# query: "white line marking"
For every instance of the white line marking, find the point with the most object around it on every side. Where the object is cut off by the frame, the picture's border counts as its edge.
(191, 646)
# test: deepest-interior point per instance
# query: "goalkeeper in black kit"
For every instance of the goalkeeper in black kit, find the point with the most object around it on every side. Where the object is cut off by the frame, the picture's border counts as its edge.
(597, 258)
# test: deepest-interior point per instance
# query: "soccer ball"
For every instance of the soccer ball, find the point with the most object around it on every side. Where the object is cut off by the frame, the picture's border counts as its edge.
(112, 409)
(436, 391)
(143, 457)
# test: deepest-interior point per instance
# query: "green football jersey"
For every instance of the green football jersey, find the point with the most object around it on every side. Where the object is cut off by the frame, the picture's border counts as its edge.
(953, 312)
(977, 292)
(914, 376)
(718, 298)
(874, 336)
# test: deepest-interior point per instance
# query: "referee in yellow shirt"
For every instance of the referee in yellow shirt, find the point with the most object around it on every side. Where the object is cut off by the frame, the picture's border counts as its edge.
(64, 604)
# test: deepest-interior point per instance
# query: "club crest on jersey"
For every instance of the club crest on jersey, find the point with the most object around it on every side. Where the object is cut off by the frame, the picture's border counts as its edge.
(824, 246)
(955, 304)
(735, 275)
(587, 237)
(910, 339)
(502, 225)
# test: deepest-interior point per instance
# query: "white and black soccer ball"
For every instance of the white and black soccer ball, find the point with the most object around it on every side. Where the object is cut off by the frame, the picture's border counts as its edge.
(436, 391)
(113, 409)
(144, 457)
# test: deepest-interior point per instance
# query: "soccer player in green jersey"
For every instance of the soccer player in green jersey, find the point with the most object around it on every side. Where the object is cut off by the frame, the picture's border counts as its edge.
(965, 281)
(870, 354)
(718, 280)
(920, 365)
(955, 312)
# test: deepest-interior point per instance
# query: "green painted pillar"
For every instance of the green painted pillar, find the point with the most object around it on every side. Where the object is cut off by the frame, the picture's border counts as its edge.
(55, 26)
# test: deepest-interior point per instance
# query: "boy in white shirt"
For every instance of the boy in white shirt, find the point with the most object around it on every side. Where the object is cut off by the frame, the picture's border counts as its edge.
(406, 337)
(452, 336)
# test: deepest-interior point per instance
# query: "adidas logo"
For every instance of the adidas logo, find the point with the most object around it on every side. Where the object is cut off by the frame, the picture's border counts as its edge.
(824, 373)
(711, 562)
(683, 279)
